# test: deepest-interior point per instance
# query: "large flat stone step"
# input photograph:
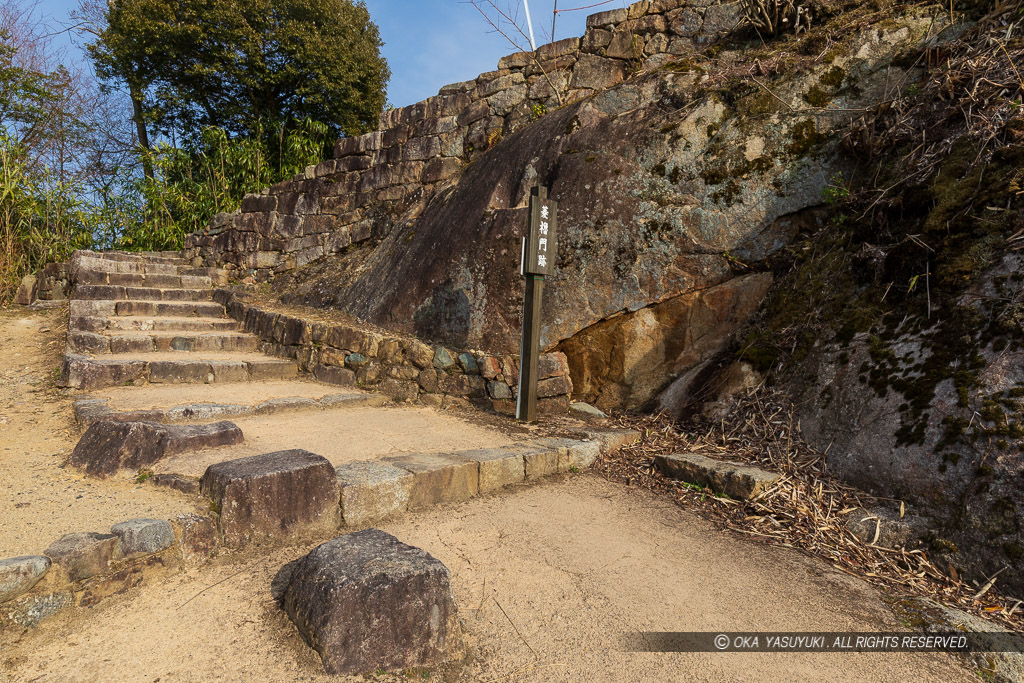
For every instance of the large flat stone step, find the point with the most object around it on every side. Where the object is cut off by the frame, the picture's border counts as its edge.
(84, 372)
(121, 293)
(90, 409)
(175, 402)
(153, 342)
(152, 324)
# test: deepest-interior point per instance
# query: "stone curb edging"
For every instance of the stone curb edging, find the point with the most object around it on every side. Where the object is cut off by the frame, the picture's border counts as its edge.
(81, 569)
(403, 368)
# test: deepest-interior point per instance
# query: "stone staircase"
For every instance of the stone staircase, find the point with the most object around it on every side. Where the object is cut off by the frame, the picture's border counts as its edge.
(150, 318)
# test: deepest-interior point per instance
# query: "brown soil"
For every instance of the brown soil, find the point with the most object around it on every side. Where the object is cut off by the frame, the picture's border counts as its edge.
(546, 578)
(40, 499)
(345, 435)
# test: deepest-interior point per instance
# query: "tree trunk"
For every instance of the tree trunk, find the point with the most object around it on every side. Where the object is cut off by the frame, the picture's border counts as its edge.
(140, 129)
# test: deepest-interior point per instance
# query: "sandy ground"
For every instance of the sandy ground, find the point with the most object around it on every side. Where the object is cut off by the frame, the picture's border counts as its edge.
(345, 435)
(39, 499)
(546, 578)
(153, 396)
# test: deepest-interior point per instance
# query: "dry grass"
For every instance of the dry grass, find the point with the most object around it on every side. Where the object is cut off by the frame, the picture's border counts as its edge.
(806, 510)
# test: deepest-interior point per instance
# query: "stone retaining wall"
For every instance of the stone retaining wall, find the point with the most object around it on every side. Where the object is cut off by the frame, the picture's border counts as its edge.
(404, 368)
(420, 148)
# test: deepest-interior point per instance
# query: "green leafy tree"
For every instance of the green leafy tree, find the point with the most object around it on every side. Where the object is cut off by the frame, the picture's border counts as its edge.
(42, 217)
(243, 65)
(207, 176)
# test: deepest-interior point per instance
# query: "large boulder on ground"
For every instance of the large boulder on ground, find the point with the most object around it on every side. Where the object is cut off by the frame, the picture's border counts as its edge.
(109, 445)
(278, 497)
(367, 601)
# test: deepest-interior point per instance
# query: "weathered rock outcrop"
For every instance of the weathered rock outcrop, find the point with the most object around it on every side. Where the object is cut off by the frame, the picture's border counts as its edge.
(679, 169)
(897, 328)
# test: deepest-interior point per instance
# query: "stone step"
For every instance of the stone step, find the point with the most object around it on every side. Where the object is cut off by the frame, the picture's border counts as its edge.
(84, 372)
(735, 480)
(164, 257)
(219, 276)
(90, 409)
(102, 277)
(151, 342)
(151, 324)
(202, 309)
(121, 293)
(81, 308)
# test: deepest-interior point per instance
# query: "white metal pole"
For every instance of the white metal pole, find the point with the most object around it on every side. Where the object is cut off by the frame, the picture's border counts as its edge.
(529, 23)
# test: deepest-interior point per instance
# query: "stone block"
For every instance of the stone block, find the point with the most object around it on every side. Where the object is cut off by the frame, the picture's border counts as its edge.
(443, 358)
(735, 480)
(572, 453)
(419, 354)
(552, 364)
(82, 372)
(472, 386)
(499, 390)
(229, 371)
(438, 478)
(143, 536)
(554, 386)
(372, 490)
(26, 291)
(400, 390)
(468, 364)
(180, 372)
(81, 308)
(490, 367)
(595, 40)
(197, 536)
(88, 342)
(516, 60)
(281, 496)
(566, 46)
(538, 461)
(597, 73)
(368, 602)
(606, 19)
(498, 467)
(613, 439)
(110, 445)
(338, 376)
(428, 380)
(19, 574)
(82, 555)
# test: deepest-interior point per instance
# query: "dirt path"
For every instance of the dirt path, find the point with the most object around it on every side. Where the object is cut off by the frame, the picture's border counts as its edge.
(39, 499)
(546, 578)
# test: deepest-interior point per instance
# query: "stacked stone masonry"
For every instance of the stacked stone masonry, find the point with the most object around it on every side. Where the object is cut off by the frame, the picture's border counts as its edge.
(403, 368)
(421, 148)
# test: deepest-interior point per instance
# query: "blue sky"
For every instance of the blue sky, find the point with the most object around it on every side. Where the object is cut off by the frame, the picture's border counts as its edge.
(428, 43)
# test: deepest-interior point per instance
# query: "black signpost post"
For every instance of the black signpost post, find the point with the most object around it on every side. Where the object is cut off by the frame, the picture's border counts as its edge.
(538, 261)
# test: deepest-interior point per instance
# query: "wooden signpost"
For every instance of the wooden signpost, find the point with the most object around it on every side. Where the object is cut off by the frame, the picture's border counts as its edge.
(538, 261)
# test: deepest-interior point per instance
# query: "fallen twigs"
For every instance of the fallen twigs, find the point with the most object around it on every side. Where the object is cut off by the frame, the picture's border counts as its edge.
(806, 509)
